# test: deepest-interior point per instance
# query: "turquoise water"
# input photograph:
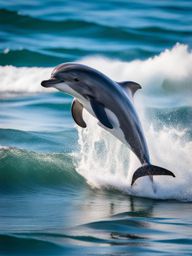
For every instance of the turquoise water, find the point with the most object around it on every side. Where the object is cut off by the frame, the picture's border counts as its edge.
(64, 190)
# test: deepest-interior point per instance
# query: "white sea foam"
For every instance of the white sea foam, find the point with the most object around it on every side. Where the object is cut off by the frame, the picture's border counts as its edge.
(17, 80)
(169, 71)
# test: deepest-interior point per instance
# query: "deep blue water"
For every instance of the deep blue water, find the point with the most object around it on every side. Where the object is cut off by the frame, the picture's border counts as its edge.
(64, 191)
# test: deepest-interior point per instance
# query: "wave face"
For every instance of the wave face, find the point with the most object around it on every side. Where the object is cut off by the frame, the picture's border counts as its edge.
(64, 190)
(27, 171)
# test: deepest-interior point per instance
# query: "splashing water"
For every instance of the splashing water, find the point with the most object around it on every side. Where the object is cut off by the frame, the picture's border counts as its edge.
(106, 162)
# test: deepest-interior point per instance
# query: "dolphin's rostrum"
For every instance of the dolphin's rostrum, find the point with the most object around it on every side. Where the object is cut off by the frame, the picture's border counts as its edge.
(111, 103)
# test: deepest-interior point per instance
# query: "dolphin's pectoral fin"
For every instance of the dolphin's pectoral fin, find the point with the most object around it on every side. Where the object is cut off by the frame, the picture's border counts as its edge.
(100, 113)
(130, 87)
(150, 170)
(77, 112)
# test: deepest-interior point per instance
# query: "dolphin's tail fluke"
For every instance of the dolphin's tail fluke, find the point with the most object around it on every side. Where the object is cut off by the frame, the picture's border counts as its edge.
(150, 170)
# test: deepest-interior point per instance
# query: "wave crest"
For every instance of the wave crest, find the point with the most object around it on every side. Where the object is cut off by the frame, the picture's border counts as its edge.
(165, 74)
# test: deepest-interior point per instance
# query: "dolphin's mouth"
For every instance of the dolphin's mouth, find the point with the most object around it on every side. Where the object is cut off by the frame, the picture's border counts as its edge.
(50, 82)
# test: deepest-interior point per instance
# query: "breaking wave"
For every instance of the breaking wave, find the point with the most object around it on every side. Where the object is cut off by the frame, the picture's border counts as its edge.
(170, 72)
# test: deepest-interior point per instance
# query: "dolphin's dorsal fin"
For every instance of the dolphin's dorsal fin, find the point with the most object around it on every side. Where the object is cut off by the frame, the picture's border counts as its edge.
(77, 113)
(130, 87)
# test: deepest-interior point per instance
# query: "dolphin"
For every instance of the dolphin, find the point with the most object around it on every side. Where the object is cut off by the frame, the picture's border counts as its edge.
(111, 103)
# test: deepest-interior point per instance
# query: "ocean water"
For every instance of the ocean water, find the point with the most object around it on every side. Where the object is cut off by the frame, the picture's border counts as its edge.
(66, 190)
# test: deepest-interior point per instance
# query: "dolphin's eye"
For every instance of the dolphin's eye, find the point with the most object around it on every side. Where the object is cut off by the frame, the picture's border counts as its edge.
(76, 79)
